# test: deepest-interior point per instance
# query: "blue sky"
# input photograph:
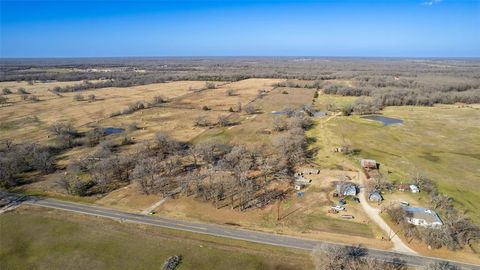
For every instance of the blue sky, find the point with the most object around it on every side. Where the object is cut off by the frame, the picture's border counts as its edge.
(431, 28)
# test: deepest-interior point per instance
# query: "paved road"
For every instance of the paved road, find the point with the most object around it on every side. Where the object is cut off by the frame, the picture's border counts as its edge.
(228, 232)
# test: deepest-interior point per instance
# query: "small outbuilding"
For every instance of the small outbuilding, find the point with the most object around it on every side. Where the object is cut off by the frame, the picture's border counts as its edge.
(414, 189)
(369, 164)
(299, 186)
(375, 197)
(347, 189)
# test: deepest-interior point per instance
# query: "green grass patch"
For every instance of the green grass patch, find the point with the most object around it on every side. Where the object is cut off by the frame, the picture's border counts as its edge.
(440, 142)
(37, 238)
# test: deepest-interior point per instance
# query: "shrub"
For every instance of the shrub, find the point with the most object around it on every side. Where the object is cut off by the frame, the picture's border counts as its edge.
(78, 97)
(230, 92)
(210, 85)
(158, 100)
(92, 98)
(22, 91)
(250, 109)
(6, 91)
(34, 98)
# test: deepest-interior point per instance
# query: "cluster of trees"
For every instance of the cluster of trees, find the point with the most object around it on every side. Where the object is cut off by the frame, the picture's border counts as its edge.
(140, 105)
(224, 174)
(16, 159)
(357, 257)
(456, 232)
(370, 72)
(294, 120)
(393, 94)
(301, 84)
(80, 97)
(351, 258)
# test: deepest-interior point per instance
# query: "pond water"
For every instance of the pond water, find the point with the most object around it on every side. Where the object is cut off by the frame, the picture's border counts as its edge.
(113, 130)
(387, 121)
(319, 114)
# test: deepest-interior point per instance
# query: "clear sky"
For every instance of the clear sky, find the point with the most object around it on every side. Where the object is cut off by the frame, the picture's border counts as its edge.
(415, 28)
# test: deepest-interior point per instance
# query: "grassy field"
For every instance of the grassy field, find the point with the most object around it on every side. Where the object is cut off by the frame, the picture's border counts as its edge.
(252, 127)
(244, 91)
(37, 238)
(441, 142)
(30, 121)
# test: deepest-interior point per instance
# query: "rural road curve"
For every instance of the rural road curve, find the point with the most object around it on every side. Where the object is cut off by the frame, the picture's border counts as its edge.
(228, 232)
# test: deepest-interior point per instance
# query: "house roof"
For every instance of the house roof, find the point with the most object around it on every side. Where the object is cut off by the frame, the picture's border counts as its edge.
(368, 163)
(423, 213)
(346, 188)
(375, 196)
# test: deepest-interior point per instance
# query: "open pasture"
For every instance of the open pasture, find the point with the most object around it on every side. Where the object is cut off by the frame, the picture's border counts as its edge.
(29, 120)
(219, 98)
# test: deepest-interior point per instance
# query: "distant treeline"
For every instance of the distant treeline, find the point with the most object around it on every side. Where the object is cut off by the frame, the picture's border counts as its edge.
(393, 81)
(412, 93)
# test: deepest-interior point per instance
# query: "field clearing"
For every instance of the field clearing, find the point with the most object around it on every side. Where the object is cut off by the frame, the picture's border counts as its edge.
(30, 121)
(252, 127)
(325, 101)
(39, 238)
(245, 91)
(441, 142)
(176, 122)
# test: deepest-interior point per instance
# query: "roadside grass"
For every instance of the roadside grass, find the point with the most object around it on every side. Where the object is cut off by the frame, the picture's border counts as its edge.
(38, 238)
(440, 142)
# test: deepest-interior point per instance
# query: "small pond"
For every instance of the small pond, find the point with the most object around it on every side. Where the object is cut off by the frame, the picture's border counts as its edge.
(319, 114)
(387, 121)
(113, 130)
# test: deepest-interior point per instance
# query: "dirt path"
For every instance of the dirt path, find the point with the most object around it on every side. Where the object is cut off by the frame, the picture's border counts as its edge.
(154, 206)
(374, 214)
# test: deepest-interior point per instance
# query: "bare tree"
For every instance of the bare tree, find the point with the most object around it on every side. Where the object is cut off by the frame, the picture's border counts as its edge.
(92, 97)
(249, 109)
(279, 124)
(78, 97)
(22, 91)
(222, 120)
(210, 85)
(441, 266)
(230, 92)
(158, 100)
(201, 121)
(6, 91)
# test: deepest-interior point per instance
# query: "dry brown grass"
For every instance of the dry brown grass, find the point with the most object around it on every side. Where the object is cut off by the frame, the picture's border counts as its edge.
(29, 121)
(251, 128)
(217, 99)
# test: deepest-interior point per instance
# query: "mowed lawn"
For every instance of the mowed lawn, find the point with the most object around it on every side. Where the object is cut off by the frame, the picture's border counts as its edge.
(442, 142)
(37, 238)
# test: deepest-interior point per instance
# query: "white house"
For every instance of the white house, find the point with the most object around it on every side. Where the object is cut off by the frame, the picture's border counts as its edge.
(414, 189)
(423, 217)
